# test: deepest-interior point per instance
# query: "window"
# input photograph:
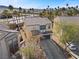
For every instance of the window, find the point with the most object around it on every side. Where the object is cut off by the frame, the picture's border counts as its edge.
(42, 27)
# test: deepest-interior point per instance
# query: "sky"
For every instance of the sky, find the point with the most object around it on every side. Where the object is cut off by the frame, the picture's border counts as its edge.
(39, 3)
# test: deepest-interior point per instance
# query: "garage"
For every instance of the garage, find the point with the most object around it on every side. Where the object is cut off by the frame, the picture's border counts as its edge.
(46, 36)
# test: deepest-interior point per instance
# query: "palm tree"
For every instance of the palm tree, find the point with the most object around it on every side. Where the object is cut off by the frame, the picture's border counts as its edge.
(58, 7)
(67, 5)
(48, 6)
(55, 12)
(55, 8)
(44, 11)
(10, 7)
(32, 10)
(63, 11)
(77, 6)
(20, 9)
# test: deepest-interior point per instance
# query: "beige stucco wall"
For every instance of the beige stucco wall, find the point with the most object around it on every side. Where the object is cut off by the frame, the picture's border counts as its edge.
(57, 28)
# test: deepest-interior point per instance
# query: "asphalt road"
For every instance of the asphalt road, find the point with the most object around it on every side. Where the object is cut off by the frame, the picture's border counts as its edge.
(52, 50)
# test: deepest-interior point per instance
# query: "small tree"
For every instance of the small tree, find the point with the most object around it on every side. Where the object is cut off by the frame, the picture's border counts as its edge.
(16, 13)
(7, 14)
(24, 11)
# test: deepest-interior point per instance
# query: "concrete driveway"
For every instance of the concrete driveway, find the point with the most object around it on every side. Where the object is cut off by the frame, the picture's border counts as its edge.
(52, 50)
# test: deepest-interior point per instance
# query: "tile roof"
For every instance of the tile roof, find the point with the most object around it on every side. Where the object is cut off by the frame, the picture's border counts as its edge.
(36, 21)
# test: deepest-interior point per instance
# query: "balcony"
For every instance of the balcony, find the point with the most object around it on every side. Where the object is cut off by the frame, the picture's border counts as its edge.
(38, 32)
(35, 32)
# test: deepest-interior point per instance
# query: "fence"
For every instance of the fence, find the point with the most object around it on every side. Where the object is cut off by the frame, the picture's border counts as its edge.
(12, 20)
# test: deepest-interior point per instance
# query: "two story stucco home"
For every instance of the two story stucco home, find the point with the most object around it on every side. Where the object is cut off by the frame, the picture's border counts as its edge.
(58, 24)
(39, 26)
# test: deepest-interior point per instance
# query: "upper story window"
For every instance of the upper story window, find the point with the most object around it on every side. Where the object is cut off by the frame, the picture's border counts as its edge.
(42, 27)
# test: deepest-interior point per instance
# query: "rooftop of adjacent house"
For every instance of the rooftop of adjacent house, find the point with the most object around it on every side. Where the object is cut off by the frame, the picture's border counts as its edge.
(3, 27)
(36, 21)
(68, 19)
(4, 30)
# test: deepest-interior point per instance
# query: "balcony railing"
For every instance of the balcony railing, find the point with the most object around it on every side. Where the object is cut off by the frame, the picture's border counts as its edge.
(38, 32)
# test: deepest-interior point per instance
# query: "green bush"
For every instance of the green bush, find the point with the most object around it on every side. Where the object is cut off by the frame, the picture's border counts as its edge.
(70, 33)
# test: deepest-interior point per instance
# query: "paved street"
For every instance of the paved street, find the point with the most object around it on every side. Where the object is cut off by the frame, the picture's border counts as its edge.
(52, 50)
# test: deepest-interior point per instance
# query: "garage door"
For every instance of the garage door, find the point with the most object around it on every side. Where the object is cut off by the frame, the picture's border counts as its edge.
(47, 36)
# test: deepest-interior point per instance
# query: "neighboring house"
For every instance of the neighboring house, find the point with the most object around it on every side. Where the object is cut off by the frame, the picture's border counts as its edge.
(58, 24)
(39, 26)
(8, 43)
(2, 8)
(14, 20)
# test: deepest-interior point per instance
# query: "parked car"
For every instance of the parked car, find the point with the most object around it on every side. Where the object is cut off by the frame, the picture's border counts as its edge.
(72, 47)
